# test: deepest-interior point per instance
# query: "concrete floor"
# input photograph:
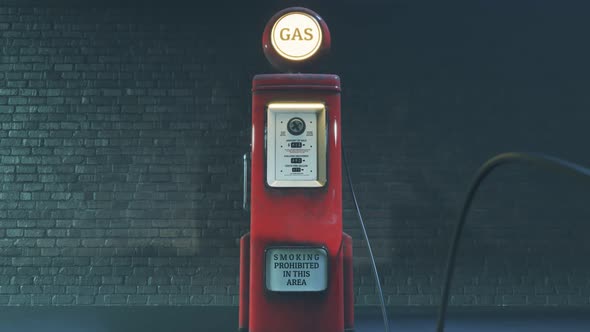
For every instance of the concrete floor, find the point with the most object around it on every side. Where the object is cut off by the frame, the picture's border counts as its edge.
(488, 321)
(224, 319)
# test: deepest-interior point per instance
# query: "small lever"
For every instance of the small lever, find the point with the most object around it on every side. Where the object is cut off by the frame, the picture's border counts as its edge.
(245, 196)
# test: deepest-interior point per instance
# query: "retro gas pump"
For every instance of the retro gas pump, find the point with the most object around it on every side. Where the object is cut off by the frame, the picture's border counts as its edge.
(296, 262)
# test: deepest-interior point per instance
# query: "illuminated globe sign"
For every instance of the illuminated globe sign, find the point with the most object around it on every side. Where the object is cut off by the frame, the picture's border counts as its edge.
(294, 38)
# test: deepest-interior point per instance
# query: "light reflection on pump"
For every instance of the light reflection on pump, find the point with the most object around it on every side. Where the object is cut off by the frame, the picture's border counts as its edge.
(335, 132)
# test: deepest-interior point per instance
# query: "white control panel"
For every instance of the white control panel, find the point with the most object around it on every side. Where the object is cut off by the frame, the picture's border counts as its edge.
(296, 145)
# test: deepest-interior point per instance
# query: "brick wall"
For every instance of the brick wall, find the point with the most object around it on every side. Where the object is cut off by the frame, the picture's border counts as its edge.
(123, 126)
(454, 86)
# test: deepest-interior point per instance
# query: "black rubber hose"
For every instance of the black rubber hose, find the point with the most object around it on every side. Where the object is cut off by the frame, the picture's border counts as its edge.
(549, 162)
(375, 273)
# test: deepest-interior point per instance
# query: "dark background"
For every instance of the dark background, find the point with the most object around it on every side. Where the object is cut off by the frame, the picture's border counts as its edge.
(123, 125)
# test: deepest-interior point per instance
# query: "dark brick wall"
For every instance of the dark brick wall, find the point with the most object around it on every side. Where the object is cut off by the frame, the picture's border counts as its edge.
(123, 126)
(122, 134)
(451, 87)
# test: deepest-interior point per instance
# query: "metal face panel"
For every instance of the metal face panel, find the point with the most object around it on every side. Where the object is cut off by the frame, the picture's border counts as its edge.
(296, 269)
(296, 145)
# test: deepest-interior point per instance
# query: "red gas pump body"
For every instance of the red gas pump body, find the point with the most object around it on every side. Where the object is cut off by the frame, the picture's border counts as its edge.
(296, 217)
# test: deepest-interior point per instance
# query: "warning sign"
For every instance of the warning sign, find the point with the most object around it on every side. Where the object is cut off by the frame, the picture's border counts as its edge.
(296, 269)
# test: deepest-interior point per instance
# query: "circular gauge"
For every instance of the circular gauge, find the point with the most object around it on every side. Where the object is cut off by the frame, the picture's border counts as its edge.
(296, 126)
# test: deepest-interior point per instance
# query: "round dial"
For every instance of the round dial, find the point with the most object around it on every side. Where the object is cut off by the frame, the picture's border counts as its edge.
(296, 126)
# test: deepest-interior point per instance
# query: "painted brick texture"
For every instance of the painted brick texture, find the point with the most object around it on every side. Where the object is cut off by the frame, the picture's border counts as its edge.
(120, 158)
(122, 128)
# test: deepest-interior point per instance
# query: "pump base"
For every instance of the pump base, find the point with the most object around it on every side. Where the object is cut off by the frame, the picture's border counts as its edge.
(347, 279)
(243, 329)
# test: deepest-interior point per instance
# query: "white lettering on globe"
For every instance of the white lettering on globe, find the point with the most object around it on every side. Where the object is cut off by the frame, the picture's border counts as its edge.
(296, 36)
